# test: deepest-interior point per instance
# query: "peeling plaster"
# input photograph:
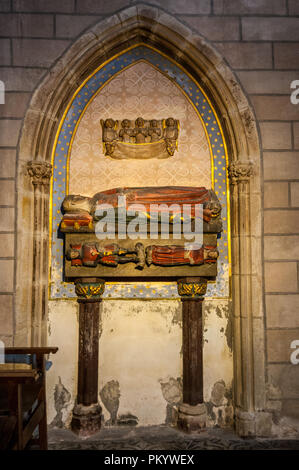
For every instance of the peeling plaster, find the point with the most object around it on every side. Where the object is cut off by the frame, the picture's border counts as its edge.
(110, 395)
(61, 398)
(172, 391)
(219, 407)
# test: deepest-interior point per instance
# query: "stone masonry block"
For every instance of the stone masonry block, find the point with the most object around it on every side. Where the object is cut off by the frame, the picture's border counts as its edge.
(281, 277)
(246, 55)
(249, 7)
(276, 194)
(37, 52)
(286, 377)
(44, 6)
(101, 7)
(293, 7)
(296, 134)
(295, 194)
(282, 311)
(286, 56)
(7, 163)
(6, 275)
(278, 344)
(267, 82)
(7, 192)
(15, 105)
(281, 165)
(6, 246)
(9, 132)
(191, 7)
(22, 25)
(270, 29)
(7, 219)
(277, 247)
(5, 53)
(276, 135)
(275, 108)
(5, 5)
(20, 79)
(70, 26)
(281, 221)
(214, 28)
(6, 315)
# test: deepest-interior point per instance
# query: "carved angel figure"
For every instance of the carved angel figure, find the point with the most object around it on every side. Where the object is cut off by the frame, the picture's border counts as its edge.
(171, 135)
(109, 127)
(139, 131)
(154, 132)
(126, 132)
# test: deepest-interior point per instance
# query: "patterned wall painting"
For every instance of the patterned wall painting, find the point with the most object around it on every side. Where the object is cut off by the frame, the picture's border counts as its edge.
(139, 82)
(139, 91)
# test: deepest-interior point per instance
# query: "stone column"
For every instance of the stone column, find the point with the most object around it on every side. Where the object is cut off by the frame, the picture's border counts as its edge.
(40, 173)
(87, 411)
(250, 420)
(192, 414)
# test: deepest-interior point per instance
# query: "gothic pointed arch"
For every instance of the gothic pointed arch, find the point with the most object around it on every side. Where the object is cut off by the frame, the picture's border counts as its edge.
(154, 28)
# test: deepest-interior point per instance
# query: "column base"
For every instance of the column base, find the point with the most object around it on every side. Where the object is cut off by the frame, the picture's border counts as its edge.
(86, 420)
(253, 424)
(192, 419)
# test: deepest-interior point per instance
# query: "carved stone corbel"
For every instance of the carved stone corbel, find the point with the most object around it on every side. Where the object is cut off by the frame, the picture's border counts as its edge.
(40, 174)
(240, 171)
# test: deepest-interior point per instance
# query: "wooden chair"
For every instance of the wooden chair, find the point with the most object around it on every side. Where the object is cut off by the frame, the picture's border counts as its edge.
(23, 405)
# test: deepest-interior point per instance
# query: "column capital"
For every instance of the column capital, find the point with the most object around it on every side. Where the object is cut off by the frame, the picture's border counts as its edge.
(240, 171)
(89, 289)
(39, 171)
(192, 288)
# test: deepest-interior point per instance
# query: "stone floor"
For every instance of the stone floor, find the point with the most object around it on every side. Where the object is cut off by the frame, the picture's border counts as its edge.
(162, 438)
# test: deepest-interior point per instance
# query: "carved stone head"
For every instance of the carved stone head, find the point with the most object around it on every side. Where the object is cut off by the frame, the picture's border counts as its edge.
(170, 122)
(109, 123)
(139, 122)
(154, 123)
(125, 123)
(77, 203)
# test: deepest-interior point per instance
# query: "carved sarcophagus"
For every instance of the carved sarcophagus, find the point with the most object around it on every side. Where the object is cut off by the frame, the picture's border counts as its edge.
(152, 232)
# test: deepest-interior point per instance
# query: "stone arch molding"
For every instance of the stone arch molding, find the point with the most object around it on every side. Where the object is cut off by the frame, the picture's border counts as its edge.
(149, 25)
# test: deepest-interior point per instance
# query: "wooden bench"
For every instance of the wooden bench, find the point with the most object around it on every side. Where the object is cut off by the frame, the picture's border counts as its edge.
(23, 405)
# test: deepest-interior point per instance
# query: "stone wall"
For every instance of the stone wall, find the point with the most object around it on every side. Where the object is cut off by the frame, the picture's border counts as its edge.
(260, 42)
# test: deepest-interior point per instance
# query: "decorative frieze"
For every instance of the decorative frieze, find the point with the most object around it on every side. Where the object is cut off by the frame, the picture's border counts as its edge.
(140, 139)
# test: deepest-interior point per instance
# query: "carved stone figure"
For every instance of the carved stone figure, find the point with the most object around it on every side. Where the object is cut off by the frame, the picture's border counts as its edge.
(174, 255)
(80, 211)
(109, 135)
(92, 254)
(126, 133)
(154, 132)
(140, 139)
(140, 132)
(171, 133)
